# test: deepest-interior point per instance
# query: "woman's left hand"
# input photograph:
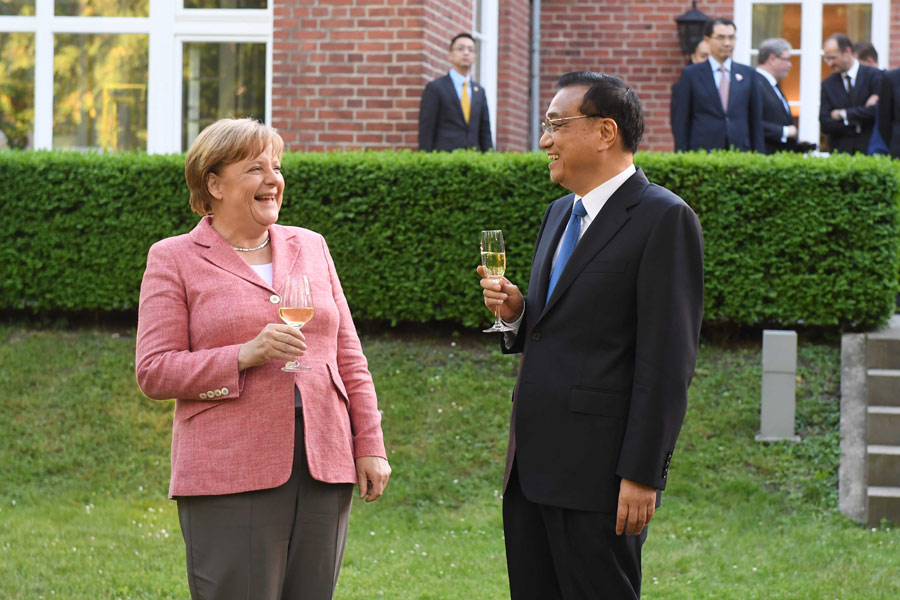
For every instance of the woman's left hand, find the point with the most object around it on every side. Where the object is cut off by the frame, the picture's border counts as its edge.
(373, 473)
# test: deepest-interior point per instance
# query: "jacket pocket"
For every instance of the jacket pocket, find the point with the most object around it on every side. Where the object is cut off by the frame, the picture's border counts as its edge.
(188, 409)
(598, 402)
(338, 383)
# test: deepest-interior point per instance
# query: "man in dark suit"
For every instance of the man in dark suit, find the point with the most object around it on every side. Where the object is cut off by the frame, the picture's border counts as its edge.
(453, 112)
(778, 124)
(718, 101)
(889, 112)
(848, 99)
(609, 332)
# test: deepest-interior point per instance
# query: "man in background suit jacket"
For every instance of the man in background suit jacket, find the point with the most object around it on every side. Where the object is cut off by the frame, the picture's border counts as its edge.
(453, 112)
(889, 112)
(778, 123)
(700, 119)
(609, 332)
(849, 96)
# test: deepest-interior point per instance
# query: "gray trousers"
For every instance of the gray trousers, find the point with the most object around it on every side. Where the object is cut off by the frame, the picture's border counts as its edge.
(284, 543)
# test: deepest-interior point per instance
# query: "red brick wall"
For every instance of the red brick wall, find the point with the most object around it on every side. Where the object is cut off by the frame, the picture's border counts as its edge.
(513, 83)
(349, 73)
(635, 40)
(894, 55)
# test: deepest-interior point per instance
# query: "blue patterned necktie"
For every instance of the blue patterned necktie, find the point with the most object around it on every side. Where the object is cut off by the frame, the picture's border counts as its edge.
(570, 238)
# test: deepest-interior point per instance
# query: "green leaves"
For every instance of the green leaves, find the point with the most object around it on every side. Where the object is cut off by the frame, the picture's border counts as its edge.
(789, 240)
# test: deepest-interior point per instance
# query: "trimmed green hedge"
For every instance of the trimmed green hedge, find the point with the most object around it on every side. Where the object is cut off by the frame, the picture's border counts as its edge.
(789, 240)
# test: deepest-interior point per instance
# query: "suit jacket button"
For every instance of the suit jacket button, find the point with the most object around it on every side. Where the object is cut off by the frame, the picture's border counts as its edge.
(536, 336)
(274, 299)
(224, 391)
(217, 393)
(203, 395)
(210, 394)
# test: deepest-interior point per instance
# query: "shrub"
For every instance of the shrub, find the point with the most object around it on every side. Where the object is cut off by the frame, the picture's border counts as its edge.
(789, 240)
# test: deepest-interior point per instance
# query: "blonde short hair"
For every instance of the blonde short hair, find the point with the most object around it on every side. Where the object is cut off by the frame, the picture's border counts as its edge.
(224, 142)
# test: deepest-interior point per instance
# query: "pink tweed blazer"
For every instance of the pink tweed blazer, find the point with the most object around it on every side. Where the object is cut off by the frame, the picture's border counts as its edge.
(234, 431)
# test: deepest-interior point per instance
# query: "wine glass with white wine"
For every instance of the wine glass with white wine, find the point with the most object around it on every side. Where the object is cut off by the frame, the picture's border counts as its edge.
(493, 259)
(296, 310)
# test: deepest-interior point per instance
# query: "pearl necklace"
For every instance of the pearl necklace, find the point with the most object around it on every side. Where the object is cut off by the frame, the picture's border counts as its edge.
(260, 247)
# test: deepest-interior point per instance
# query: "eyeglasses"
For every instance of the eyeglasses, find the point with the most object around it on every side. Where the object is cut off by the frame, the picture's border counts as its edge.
(552, 125)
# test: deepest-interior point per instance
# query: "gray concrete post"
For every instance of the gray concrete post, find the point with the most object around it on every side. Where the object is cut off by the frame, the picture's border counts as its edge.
(779, 378)
(852, 479)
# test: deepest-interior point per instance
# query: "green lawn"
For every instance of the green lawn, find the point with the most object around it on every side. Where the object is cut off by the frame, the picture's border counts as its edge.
(84, 473)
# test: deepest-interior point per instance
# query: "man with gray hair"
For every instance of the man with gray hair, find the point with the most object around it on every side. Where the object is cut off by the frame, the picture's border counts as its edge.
(778, 124)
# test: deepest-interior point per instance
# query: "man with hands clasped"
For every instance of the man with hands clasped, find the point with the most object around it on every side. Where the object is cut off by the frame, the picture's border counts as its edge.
(609, 333)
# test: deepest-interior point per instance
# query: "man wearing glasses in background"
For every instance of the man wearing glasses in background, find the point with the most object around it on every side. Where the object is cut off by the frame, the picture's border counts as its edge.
(453, 112)
(609, 335)
(718, 102)
(778, 122)
(849, 97)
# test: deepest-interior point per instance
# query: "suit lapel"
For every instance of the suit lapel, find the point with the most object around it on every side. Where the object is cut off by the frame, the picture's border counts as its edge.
(450, 94)
(220, 253)
(603, 228)
(285, 254)
(556, 225)
(708, 81)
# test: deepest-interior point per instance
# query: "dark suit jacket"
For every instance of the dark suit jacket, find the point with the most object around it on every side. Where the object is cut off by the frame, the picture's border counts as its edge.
(889, 112)
(855, 136)
(602, 388)
(700, 123)
(774, 119)
(441, 122)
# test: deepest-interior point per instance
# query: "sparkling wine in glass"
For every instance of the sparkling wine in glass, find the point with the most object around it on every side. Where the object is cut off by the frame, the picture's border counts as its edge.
(493, 259)
(296, 310)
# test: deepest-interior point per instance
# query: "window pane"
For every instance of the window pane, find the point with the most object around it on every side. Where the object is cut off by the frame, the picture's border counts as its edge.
(225, 3)
(16, 90)
(221, 80)
(853, 20)
(17, 8)
(102, 8)
(776, 20)
(100, 91)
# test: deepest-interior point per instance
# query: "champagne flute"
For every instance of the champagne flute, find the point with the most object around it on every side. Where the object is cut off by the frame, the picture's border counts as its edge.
(296, 310)
(493, 258)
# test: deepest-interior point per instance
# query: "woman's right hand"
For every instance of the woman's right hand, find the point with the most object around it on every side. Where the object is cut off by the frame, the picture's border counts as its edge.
(276, 340)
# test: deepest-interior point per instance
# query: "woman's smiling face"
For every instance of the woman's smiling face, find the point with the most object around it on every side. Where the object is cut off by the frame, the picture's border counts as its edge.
(249, 192)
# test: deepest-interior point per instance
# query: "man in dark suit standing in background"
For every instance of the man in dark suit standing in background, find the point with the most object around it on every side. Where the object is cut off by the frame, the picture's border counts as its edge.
(718, 104)
(778, 123)
(453, 112)
(609, 334)
(849, 95)
(889, 112)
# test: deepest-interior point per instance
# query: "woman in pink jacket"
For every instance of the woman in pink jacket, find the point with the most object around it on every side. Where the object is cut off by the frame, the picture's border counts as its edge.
(263, 460)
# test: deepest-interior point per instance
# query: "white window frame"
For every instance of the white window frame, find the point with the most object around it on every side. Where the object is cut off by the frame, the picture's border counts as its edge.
(487, 56)
(168, 27)
(810, 51)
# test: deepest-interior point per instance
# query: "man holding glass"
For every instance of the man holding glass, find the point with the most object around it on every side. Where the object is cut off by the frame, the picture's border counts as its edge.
(609, 333)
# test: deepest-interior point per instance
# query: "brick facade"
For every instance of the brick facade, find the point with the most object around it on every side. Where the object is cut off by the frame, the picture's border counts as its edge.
(513, 118)
(348, 74)
(635, 40)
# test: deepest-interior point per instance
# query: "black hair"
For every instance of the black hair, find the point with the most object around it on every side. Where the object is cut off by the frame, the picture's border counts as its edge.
(711, 24)
(461, 35)
(865, 49)
(842, 40)
(609, 97)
